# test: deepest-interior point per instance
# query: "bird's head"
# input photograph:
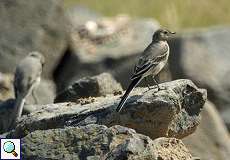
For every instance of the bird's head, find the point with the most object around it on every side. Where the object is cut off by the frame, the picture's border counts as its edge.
(162, 35)
(37, 55)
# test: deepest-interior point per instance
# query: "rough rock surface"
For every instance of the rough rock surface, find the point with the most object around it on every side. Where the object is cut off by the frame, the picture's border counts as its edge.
(96, 142)
(203, 56)
(173, 112)
(31, 25)
(211, 139)
(101, 44)
(96, 86)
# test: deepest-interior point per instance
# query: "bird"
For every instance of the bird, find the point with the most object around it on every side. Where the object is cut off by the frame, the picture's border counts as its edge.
(27, 76)
(151, 61)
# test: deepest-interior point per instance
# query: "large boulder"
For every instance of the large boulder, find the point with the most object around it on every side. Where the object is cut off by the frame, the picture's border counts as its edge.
(95, 142)
(173, 112)
(32, 25)
(100, 44)
(211, 139)
(203, 56)
(95, 86)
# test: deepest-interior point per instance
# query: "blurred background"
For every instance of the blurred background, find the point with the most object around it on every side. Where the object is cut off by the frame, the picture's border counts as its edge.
(82, 38)
(176, 14)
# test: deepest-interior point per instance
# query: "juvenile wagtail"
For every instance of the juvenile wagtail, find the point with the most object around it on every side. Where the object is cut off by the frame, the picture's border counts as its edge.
(151, 61)
(26, 77)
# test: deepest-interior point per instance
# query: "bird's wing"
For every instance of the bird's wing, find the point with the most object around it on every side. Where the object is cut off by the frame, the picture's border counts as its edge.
(151, 57)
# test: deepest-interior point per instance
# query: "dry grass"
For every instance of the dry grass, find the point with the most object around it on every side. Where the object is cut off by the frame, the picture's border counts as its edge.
(175, 14)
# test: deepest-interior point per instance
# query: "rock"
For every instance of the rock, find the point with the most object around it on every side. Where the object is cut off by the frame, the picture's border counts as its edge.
(6, 88)
(96, 86)
(106, 43)
(203, 56)
(173, 112)
(94, 142)
(32, 25)
(211, 139)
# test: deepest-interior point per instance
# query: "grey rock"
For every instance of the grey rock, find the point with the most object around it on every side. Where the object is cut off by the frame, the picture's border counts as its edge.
(106, 43)
(211, 139)
(94, 142)
(173, 112)
(203, 56)
(96, 86)
(32, 25)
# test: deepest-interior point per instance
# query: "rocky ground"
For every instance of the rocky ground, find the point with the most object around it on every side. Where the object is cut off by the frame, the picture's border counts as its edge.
(89, 59)
(89, 127)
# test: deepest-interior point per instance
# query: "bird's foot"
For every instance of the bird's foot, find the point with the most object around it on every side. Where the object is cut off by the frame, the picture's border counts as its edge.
(150, 88)
(160, 88)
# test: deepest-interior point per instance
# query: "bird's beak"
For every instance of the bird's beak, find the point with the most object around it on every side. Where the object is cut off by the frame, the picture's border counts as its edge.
(173, 32)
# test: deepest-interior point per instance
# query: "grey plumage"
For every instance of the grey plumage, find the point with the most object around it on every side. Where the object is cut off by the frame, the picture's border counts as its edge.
(27, 76)
(151, 61)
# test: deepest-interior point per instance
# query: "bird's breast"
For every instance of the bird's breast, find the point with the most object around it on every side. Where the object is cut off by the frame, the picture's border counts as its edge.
(156, 69)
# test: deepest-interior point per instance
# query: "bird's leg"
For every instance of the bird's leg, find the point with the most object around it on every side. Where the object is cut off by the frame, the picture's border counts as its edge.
(146, 81)
(34, 97)
(158, 87)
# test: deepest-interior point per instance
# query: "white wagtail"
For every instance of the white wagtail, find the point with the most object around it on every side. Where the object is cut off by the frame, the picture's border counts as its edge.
(151, 61)
(26, 77)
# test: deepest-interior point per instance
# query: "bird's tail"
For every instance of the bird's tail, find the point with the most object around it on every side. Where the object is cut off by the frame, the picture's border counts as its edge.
(125, 96)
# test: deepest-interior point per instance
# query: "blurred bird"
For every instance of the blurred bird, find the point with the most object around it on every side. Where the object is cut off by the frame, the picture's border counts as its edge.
(26, 77)
(151, 62)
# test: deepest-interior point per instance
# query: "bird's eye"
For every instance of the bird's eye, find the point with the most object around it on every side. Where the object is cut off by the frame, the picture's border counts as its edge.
(165, 32)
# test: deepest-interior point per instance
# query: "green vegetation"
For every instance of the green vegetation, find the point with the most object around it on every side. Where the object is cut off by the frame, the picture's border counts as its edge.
(175, 14)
